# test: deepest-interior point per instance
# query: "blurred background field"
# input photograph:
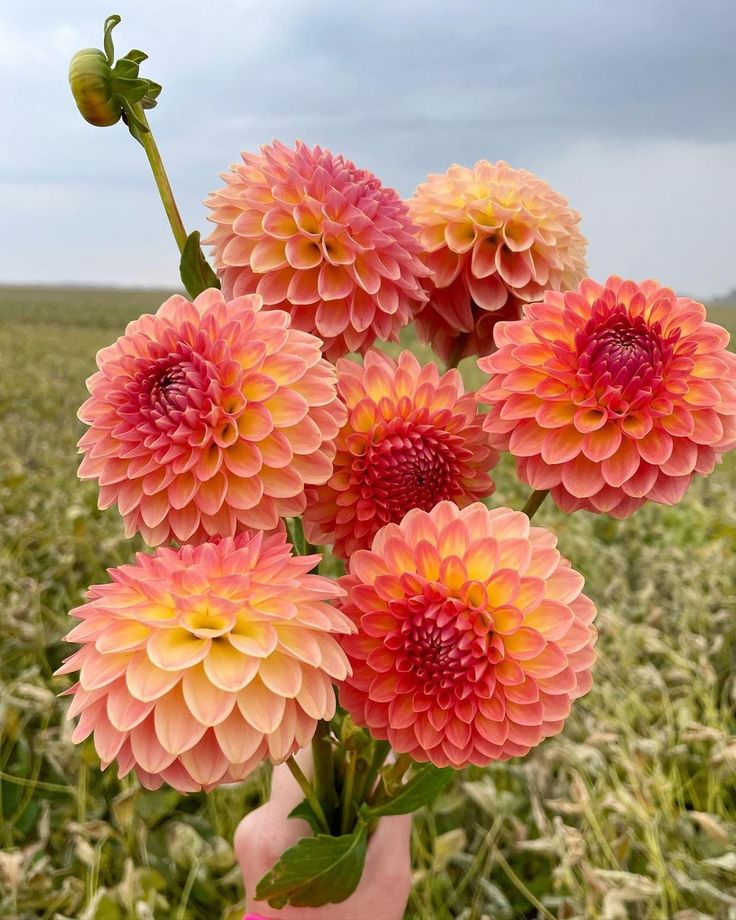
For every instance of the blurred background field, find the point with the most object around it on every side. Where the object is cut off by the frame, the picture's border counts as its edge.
(630, 813)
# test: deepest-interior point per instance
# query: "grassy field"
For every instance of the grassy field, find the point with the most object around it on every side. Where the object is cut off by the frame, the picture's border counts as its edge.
(630, 813)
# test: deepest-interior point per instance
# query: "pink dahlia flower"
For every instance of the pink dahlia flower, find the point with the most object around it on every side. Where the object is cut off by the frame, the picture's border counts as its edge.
(209, 417)
(473, 635)
(495, 238)
(199, 663)
(316, 236)
(413, 437)
(612, 395)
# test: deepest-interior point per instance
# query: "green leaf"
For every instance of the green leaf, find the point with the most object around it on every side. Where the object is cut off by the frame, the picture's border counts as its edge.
(125, 70)
(154, 90)
(135, 125)
(304, 811)
(195, 271)
(316, 871)
(424, 785)
(108, 45)
(136, 56)
(131, 90)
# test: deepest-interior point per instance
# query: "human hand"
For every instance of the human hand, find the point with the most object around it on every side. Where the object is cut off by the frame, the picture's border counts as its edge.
(264, 834)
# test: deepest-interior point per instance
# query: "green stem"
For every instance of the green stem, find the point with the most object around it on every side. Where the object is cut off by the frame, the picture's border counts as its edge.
(532, 503)
(162, 180)
(309, 793)
(361, 772)
(391, 778)
(347, 792)
(324, 767)
(302, 547)
(380, 753)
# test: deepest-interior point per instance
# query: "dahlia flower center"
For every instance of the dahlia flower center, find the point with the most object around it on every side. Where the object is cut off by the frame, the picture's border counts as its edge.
(180, 396)
(442, 643)
(622, 359)
(167, 387)
(410, 468)
(206, 623)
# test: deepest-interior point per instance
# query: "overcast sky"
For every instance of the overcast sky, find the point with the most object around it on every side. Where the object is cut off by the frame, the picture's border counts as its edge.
(628, 108)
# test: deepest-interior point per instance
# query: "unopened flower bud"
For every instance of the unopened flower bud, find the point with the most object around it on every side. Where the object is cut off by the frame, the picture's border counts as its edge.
(90, 78)
(105, 90)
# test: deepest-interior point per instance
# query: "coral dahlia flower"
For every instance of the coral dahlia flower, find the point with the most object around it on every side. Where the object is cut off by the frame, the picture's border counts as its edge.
(495, 238)
(612, 395)
(413, 438)
(209, 417)
(199, 663)
(316, 236)
(473, 635)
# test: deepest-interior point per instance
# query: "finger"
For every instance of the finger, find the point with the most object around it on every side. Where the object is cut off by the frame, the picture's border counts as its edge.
(387, 870)
(392, 835)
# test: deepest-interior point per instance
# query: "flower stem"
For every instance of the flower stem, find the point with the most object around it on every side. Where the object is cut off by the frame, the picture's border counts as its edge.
(309, 793)
(534, 501)
(380, 753)
(361, 772)
(324, 767)
(456, 354)
(347, 792)
(162, 180)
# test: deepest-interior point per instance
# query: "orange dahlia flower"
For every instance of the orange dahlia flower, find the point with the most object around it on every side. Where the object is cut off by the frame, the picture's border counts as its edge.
(413, 437)
(473, 635)
(495, 238)
(316, 236)
(199, 663)
(612, 395)
(209, 417)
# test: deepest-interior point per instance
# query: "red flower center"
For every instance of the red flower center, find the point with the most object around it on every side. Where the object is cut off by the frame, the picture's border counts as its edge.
(176, 395)
(622, 359)
(169, 387)
(413, 466)
(443, 648)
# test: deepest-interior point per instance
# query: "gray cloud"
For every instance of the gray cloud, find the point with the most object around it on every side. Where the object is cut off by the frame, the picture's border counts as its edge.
(634, 97)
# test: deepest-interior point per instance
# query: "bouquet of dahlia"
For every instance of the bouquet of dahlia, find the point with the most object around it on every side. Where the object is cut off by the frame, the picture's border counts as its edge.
(232, 432)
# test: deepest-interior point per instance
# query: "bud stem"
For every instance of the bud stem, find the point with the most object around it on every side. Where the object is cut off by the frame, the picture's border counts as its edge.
(162, 180)
(534, 501)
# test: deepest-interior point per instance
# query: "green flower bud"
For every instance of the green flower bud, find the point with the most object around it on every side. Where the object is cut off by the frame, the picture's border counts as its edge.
(90, 78)
(352, 736)
(106, 91)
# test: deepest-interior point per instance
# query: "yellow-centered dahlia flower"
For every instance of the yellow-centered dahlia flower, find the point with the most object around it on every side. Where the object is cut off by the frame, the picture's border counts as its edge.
(199, 663)
(495, 238)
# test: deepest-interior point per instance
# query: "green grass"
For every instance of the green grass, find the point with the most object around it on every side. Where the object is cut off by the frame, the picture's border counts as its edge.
(630, 813)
